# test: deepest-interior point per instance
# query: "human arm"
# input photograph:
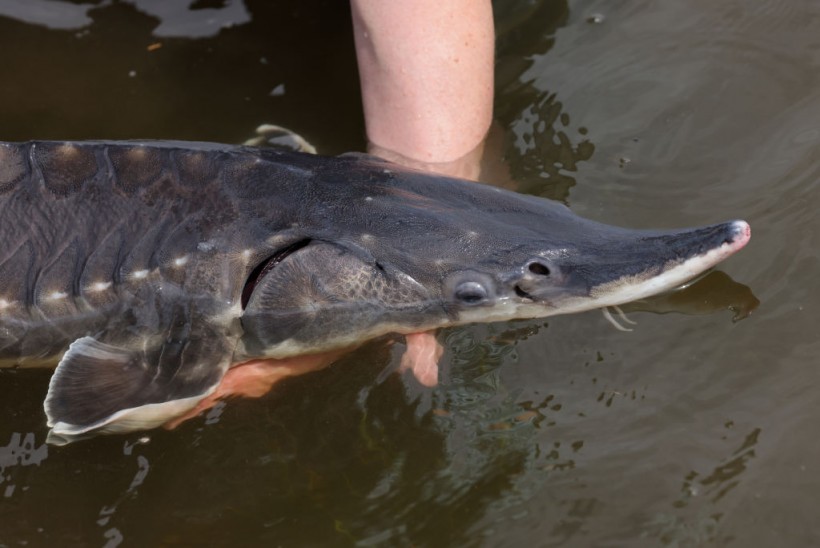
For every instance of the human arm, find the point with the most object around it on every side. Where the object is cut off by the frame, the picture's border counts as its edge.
(426, 70)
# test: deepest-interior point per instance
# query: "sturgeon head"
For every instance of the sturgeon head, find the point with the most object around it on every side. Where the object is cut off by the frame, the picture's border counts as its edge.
(408, 252)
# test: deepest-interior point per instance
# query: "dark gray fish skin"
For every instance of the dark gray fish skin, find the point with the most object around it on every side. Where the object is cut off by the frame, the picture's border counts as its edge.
(90, 232)
(137, 254)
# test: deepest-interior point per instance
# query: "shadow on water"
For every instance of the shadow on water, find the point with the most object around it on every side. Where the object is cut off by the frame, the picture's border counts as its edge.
(712, 293)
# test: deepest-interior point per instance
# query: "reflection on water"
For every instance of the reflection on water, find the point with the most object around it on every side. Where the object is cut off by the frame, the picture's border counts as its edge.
(205, 71)
(691, 429)
(22, 450)
(112, 535)
(673, 530)
(544, 148)
(712, 293)
(176, 18)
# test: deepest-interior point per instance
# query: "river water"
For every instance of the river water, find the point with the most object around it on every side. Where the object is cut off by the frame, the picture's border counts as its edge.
(699, 427)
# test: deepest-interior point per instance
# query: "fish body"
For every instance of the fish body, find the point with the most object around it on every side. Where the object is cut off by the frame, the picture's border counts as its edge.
(147, 269)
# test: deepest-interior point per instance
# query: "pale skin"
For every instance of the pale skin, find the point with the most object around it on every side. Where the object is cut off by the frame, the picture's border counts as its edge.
(256, 378)
(426, 72)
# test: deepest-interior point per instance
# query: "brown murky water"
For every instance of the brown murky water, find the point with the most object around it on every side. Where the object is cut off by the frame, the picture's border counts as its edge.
(692, 429)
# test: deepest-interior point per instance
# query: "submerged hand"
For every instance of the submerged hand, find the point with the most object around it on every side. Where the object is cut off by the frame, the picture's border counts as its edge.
(256, 378)
(421, 357)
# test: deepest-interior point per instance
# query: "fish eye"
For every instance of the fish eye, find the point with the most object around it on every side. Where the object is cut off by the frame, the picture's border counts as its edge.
(471, 293)
(539, 268)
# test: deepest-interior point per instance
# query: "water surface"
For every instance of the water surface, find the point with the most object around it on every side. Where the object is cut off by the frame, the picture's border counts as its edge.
(698, 427)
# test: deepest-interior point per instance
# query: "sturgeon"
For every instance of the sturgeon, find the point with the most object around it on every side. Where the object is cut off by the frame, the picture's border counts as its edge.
(146, 270)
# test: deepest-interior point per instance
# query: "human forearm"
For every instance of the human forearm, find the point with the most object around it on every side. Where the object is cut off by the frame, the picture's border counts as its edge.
(426, 68)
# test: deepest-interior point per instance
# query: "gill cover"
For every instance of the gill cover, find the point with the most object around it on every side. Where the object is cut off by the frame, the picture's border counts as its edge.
(319, 296)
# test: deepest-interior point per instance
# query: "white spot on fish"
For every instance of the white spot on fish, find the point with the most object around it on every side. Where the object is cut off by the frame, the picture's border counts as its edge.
(246, 254)
(439, 262)
(99, 286)
(56, 295)
(557, 253)
(138, 152)
(386, 171)
(368, 199)
(367, 237)
(4, 304)
(472, 234)
(181, 261)
(276, 239)
(139, 274)
(67, 149)
(205, 246)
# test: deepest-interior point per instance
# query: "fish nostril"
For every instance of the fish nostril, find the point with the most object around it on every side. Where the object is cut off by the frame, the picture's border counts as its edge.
(539, 268)
(471, 292)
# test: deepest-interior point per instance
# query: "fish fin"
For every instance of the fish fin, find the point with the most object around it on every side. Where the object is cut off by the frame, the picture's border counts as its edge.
(271, 135)
(106, 388)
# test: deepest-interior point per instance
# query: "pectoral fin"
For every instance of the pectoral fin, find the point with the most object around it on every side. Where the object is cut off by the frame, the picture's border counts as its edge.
(106, 388)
